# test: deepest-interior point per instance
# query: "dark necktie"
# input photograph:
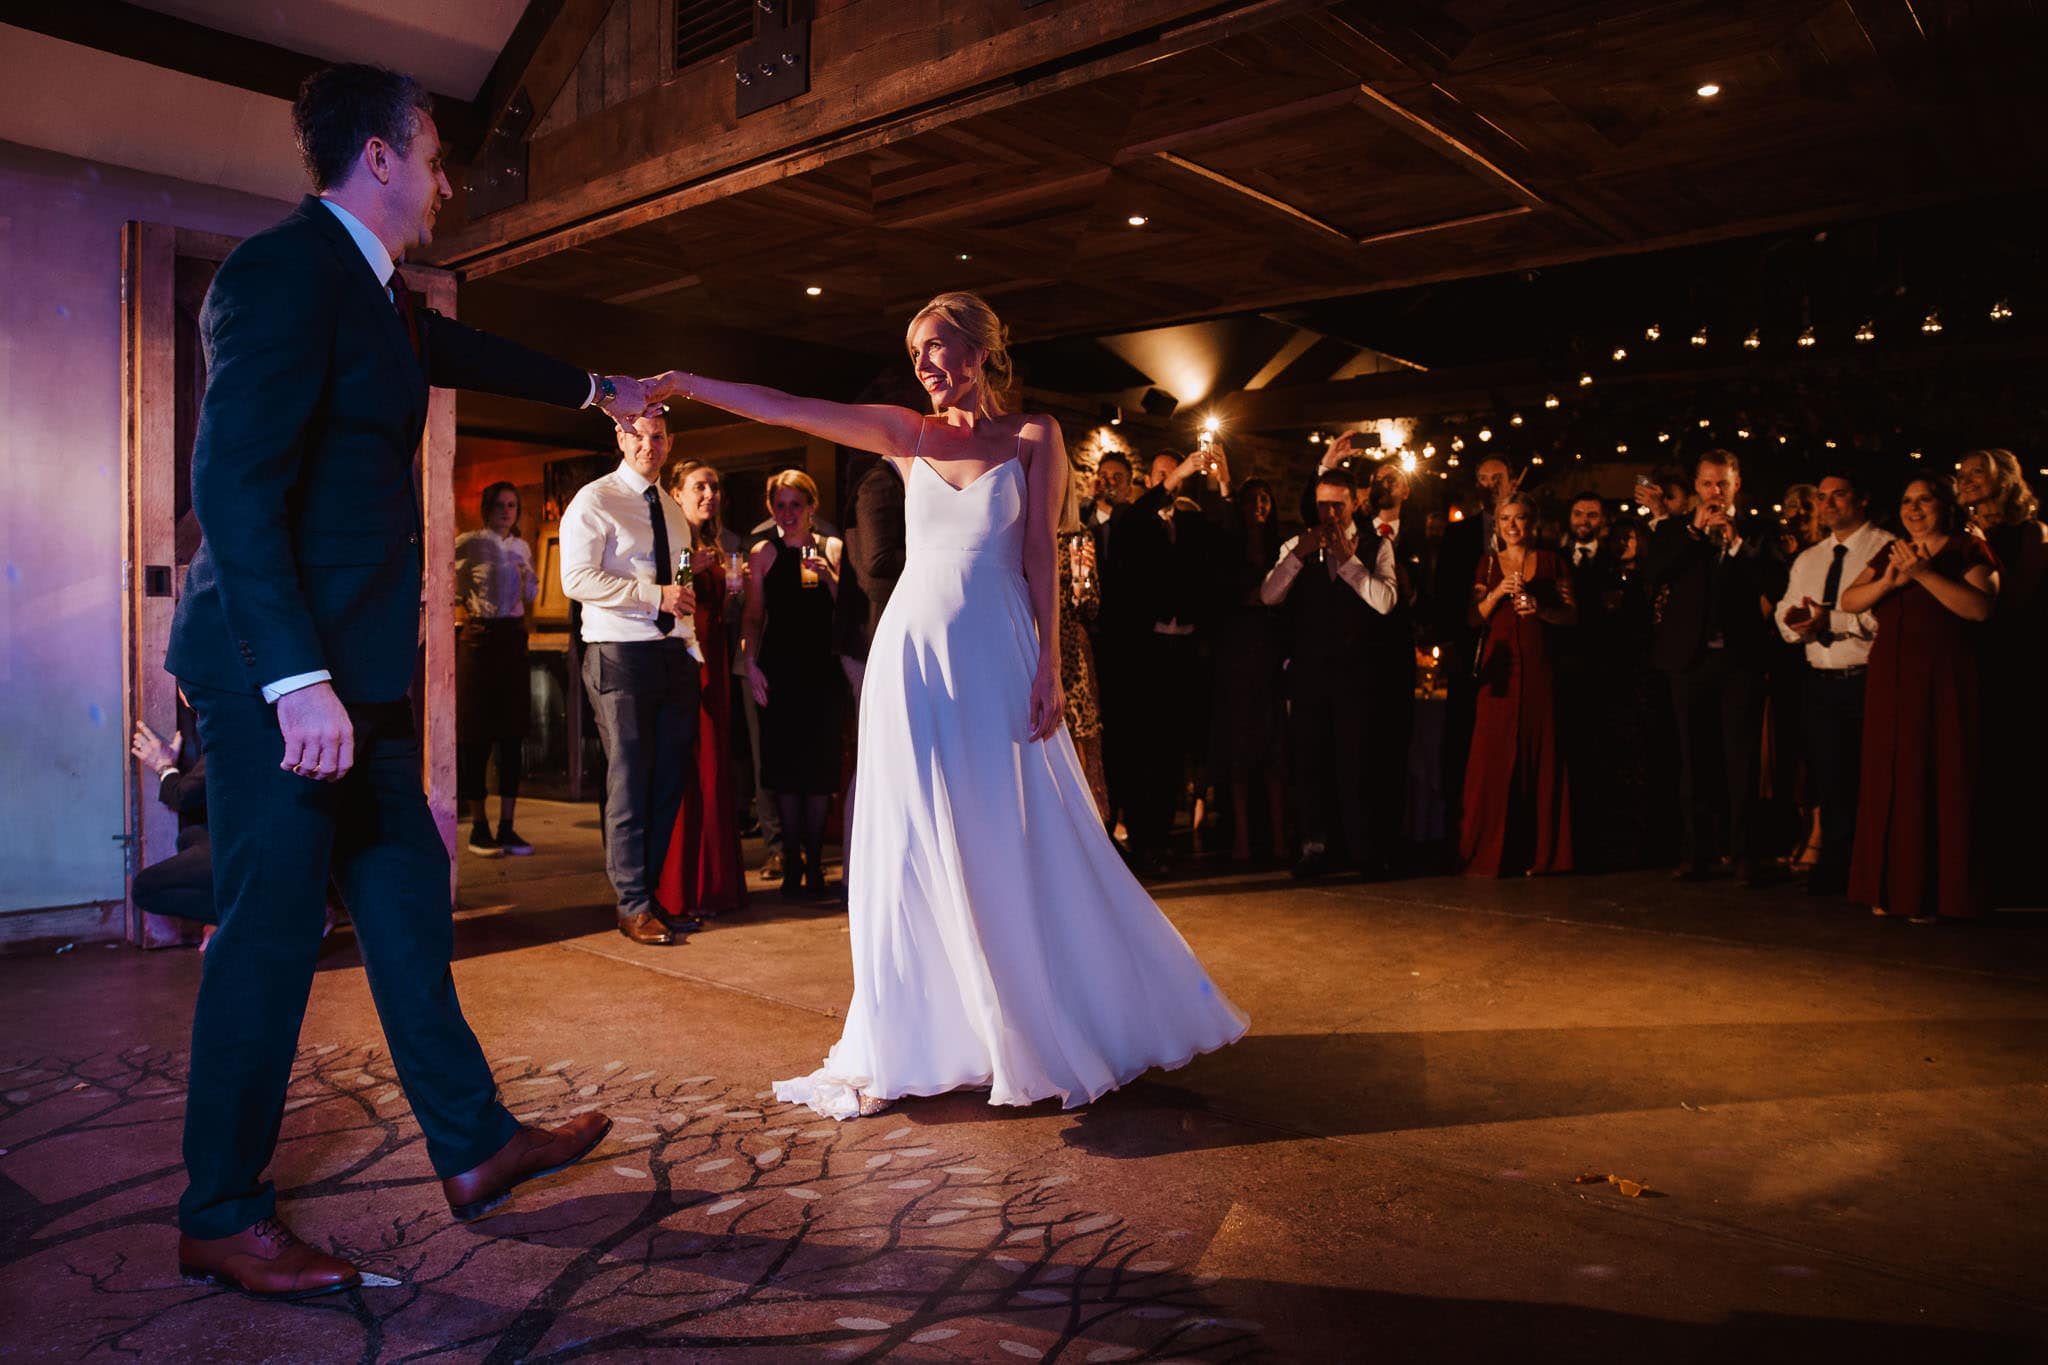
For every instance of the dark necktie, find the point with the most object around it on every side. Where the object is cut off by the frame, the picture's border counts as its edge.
(401, 299)
(1829, 591)
(664, 569)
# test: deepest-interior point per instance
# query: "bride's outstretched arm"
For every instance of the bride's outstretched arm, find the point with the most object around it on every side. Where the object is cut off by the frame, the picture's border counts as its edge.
(1048, 478)
(882, 428)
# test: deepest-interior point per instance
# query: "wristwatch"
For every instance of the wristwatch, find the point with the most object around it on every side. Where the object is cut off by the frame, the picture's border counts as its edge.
(607, 392)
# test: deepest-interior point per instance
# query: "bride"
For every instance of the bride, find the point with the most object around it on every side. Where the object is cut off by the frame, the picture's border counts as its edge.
(998, 939)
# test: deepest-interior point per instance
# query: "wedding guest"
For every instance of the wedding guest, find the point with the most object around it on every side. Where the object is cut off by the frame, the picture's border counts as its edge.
(701, 874)
(786, 639)
(1166, 554)
(1330, 595)
(1836, 651)
(1467, 541)
(1588, 683)
(182, 884)
(620, 538)
(1920, 839)
(1639, 763)
(1080, 589)
(875, 549)
(1517, 817)
(495, 588)
(1389, 680)
(1788, 809)
(1249, 720)
(2003, 508)
(1712, 641)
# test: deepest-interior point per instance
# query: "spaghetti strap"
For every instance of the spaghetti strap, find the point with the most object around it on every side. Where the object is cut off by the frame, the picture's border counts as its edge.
(918, 449)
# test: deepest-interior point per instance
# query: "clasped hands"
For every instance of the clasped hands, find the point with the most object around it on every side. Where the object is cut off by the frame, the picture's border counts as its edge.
(632, 399)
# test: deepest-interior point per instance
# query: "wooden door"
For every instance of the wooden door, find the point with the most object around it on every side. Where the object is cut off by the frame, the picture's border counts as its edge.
(165, 272)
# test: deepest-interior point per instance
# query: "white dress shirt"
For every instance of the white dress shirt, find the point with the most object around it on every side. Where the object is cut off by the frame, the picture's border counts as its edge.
(494, 577)
(1377, 587)
(1853, 630)
(608, 558)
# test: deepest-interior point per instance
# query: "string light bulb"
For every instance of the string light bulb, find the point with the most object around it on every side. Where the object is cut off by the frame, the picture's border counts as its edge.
(1407, 462)
(1550, 400)
(1742, 432)
(1429, 450)
(1585, 379)
(1931, 324)
(1699, 338)
(1515, 420)
(1137, 220)
(1315, 438)
(2001, 311)
(1621, 447)
(1620, 354)
(1706, 422)
(1457, 443)
(1752, 341)
(1867, 332)
(1708, 91)
(813, 290)
(1663, 436)
(1486, 433)
(1652, 332)
(1807, 338)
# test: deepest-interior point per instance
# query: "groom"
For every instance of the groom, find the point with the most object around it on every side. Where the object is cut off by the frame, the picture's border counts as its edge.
(295, 642)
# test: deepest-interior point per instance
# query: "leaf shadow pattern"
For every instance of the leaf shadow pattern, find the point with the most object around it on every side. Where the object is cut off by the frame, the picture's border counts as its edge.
(712, 1218)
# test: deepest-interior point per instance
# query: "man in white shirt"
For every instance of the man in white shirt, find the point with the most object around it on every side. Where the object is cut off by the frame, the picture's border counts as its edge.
(621, 535)
(1331, 597)
(1837, 655)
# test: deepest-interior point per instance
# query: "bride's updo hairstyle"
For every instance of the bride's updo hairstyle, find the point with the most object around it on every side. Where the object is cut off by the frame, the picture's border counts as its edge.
(975, 322)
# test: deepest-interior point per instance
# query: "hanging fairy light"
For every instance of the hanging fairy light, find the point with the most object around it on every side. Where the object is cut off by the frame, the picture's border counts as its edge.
(1535, 459)
(2001, 311)
(1663, 436)
(1586, 379)
(1652, 332)
(1621, 447)
(1742, 432)
(1515, 419)
(1550, 399)
(1486, 433)
(1699, 338)
(1429, 450)
(1931, 324)
(1705, 422)
(1620, 354)
(1457, 443)
(1807, 338)
(1867, 332)
(1315, 438)
(1752, 341)
(1407, 462)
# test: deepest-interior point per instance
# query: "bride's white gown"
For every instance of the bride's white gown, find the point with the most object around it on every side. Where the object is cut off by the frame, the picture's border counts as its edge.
(998, 939)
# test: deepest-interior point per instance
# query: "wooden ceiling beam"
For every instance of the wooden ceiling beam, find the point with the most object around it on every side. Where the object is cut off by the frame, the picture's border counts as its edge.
(538, 59)
(880, 94)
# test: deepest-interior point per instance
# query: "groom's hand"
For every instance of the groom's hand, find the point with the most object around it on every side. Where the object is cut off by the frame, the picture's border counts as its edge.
(319, 741)
(631, 397)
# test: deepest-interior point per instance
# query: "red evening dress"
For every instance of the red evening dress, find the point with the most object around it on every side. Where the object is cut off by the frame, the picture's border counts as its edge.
(702, 874)
(1517, 800)
(1920, 847)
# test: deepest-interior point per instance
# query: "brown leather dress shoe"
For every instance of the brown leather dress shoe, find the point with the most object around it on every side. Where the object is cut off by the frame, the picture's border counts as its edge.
(265, 1261)
(531, 1154)
(645, 928)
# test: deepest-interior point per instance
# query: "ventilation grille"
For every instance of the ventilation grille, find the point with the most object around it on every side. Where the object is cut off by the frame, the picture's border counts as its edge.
(710, 28)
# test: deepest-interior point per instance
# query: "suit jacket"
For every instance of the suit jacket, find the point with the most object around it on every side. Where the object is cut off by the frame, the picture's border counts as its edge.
(1154, 576)
(302, 469)
(1709, 593)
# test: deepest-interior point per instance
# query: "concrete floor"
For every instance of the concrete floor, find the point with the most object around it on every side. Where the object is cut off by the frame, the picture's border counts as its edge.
(1841, 1122)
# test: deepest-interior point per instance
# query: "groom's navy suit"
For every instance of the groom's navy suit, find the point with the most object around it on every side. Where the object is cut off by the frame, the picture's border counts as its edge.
(302, 478)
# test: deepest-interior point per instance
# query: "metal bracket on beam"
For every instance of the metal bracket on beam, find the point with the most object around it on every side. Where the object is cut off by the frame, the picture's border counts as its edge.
(776, 66)
(496, 178)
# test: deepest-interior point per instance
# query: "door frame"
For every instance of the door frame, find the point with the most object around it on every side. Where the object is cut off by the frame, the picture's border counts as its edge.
(149, 411)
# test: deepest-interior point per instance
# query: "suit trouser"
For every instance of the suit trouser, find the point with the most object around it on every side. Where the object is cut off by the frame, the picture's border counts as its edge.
(1390, 716)
(1165, 694)
(1326, 725)
(1834, 747)
(275, 838)
(643, 694)
(1720, 718)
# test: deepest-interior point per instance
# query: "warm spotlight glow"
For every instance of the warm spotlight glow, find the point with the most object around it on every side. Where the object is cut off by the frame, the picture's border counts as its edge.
(1408, 462)
(1457, 514)
(1211, 425)
(1708, 91)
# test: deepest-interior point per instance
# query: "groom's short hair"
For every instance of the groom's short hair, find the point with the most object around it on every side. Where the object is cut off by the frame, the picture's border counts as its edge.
(339, 108)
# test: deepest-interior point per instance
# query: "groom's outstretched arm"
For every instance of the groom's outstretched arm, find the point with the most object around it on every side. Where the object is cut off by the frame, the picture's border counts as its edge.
(461, 357)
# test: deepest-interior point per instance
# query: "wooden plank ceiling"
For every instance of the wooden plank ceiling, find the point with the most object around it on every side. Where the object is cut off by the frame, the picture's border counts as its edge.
(1353, 147)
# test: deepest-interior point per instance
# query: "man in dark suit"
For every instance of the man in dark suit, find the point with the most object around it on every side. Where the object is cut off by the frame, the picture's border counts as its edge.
(1389, 673)
(1713, 641)
(295, 642)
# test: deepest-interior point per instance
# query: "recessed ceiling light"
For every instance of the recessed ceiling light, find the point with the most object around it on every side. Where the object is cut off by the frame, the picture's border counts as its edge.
(1708, 91)
(813, 290)
(1137, 220)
